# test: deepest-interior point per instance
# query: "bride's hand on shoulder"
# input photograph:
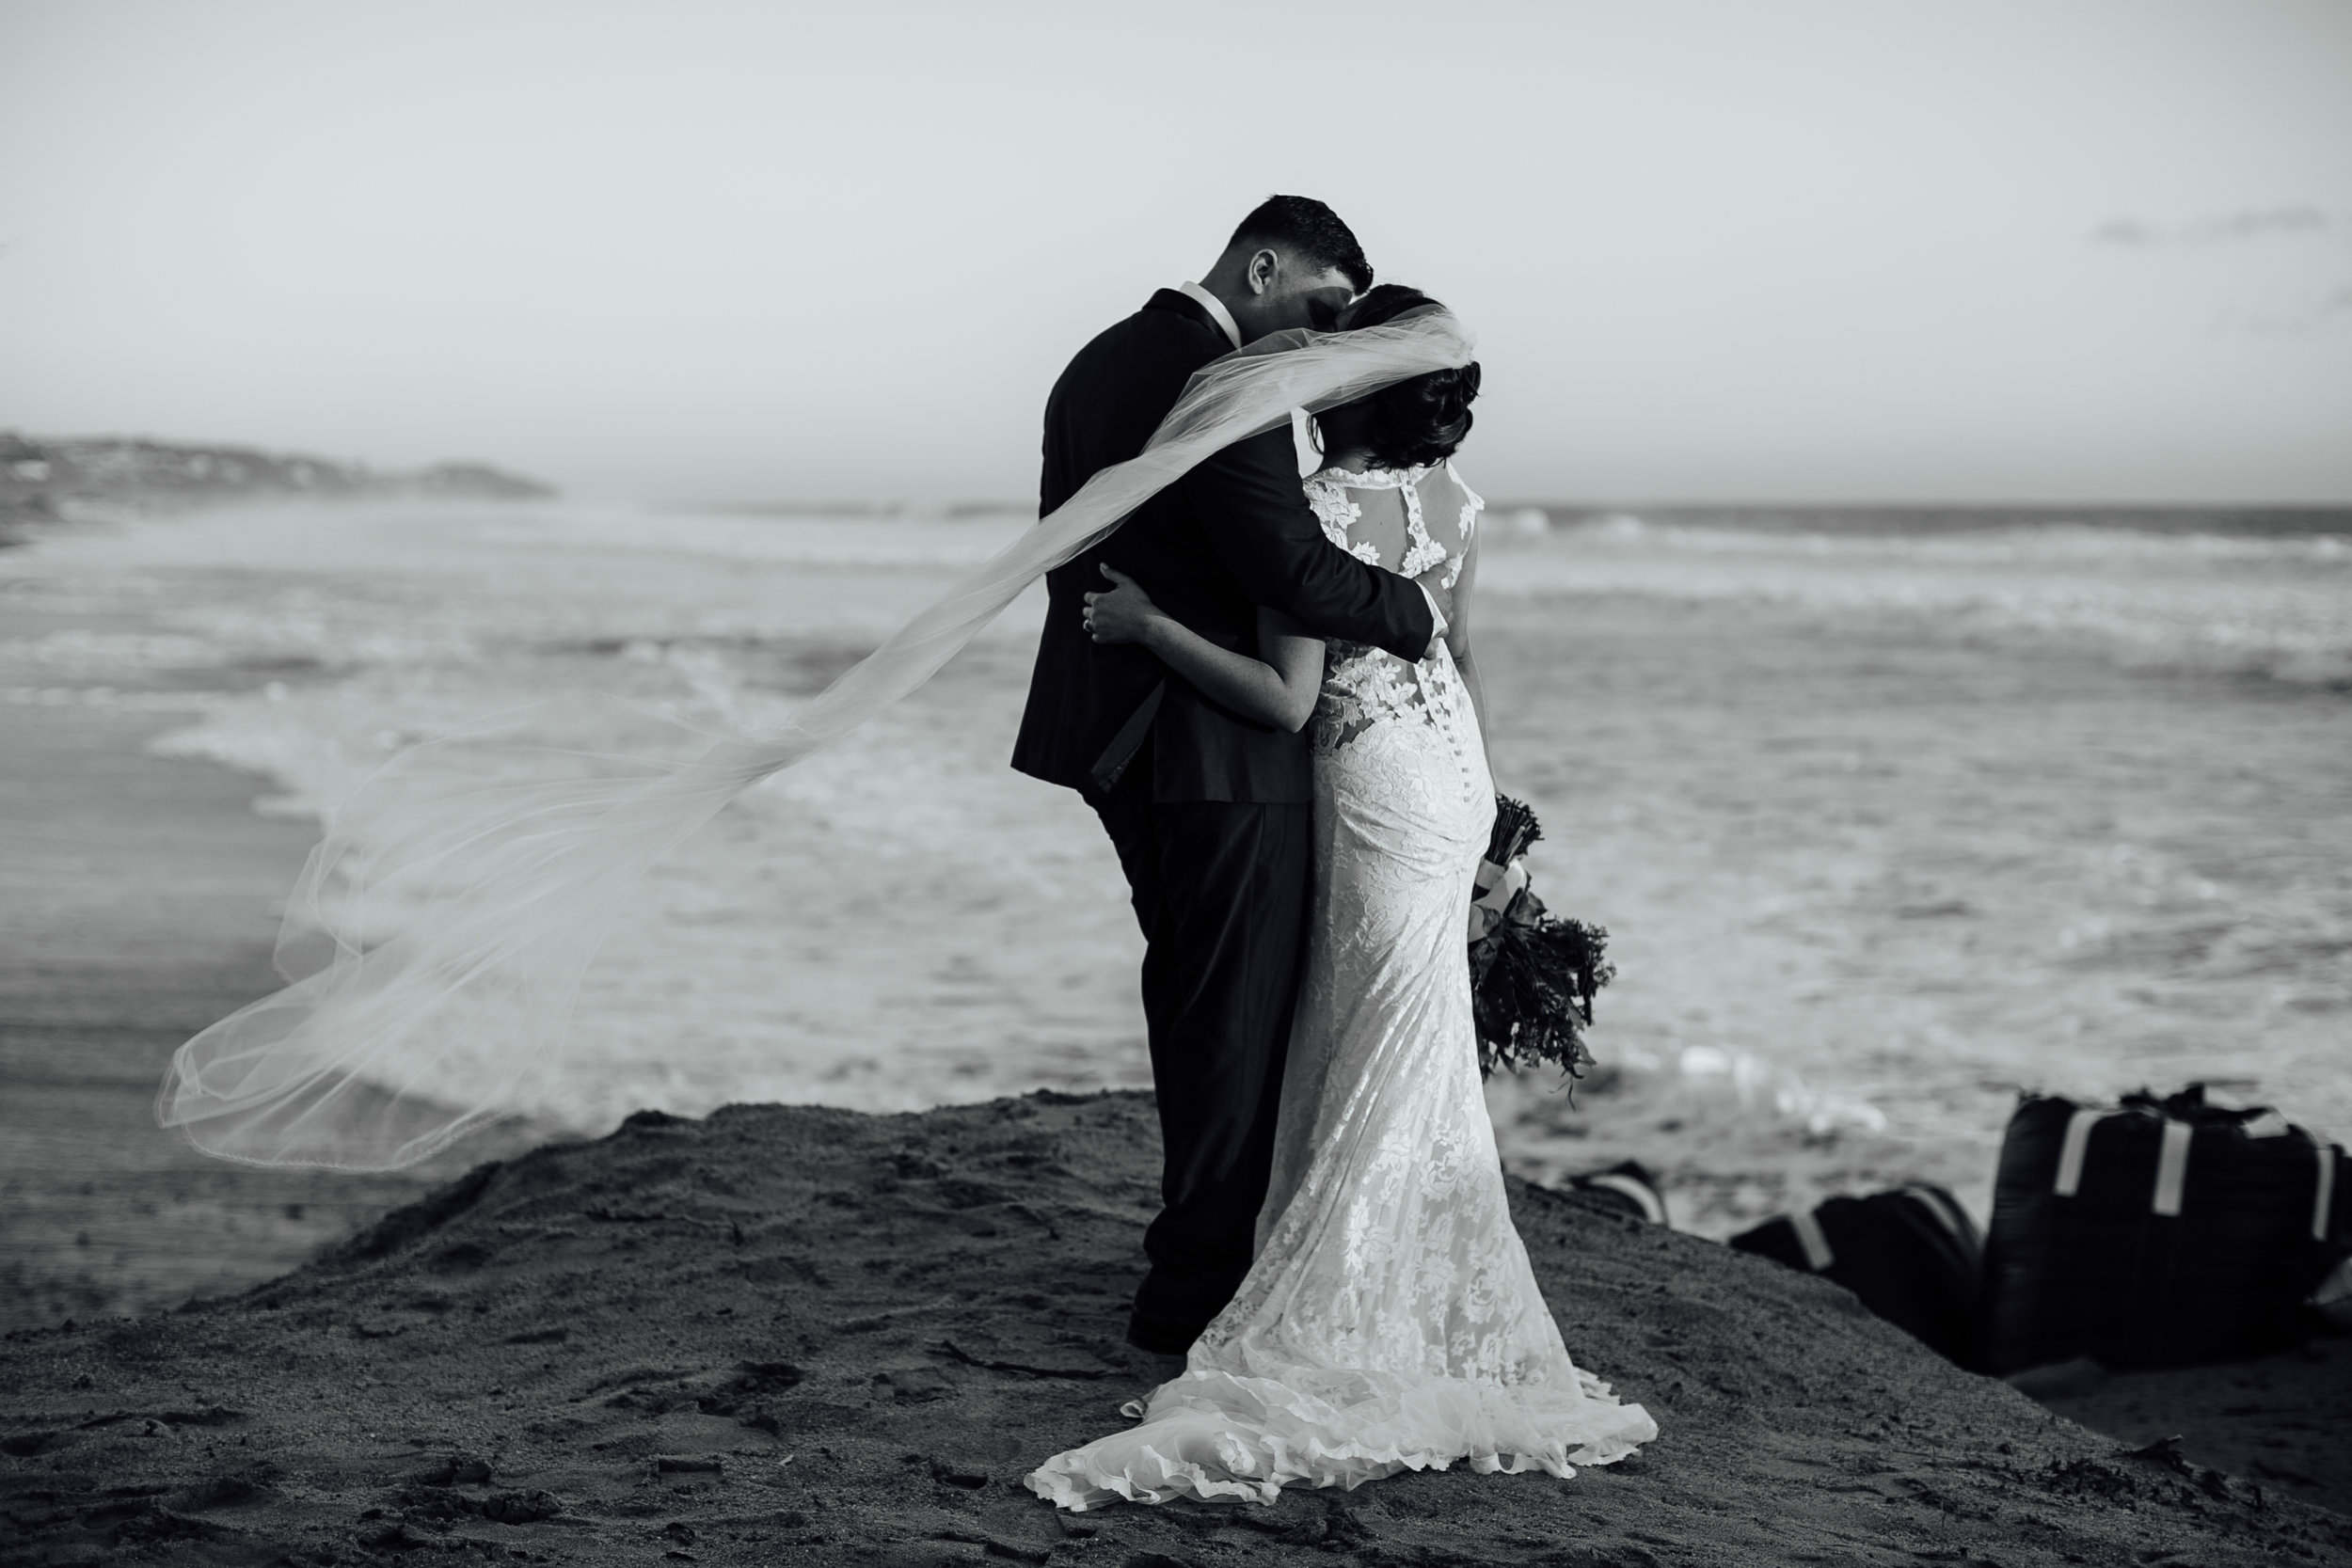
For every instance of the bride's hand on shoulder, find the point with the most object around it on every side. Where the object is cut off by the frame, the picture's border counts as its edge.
(1122, 613)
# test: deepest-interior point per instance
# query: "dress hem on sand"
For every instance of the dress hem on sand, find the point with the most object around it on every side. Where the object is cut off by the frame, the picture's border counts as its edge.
(1212, 1435)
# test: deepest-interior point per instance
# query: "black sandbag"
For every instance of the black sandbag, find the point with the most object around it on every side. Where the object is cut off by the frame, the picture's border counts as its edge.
(1627, 1185)
(2160, 1232)
(1911, 1255)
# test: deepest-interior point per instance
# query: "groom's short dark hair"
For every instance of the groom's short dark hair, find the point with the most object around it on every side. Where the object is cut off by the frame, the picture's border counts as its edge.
(1309, 230)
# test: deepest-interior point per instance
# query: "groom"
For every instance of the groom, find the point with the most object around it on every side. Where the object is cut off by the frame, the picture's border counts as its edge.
(1208, 812)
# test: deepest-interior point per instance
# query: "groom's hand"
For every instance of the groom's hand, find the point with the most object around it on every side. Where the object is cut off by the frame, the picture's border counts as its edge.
(1438, 625)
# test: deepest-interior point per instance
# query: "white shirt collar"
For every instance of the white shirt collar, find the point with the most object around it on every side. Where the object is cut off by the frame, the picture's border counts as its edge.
(1215, 308)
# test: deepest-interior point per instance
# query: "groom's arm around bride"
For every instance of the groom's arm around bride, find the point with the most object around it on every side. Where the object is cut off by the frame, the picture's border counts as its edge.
(1234, 533)
(1209, 811)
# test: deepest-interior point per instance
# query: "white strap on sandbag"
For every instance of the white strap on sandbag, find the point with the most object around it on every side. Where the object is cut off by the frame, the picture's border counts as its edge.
(1653, 1207)
(1818, 1254)
(2172, 1167)
(1937, 1205)
(2071, 1152)
(2324, 1200)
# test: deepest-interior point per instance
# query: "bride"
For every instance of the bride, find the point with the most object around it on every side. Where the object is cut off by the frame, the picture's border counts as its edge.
(1391, 1320)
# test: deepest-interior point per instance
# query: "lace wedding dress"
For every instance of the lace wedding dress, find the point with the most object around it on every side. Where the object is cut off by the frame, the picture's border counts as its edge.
(1391, 1320)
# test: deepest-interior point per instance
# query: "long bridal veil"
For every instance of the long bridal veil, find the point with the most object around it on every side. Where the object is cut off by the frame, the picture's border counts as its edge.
(439, 934)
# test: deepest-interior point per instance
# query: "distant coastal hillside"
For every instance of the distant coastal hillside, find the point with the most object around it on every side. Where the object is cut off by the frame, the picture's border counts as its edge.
(42, 477)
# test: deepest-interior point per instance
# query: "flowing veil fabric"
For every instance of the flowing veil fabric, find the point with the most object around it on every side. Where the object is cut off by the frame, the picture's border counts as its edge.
(439, 934)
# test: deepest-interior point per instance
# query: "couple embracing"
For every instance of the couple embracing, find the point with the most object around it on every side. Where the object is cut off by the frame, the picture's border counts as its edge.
(1265, 690)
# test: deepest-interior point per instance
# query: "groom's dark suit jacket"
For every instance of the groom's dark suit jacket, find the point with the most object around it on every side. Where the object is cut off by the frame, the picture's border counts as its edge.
(1233, 534)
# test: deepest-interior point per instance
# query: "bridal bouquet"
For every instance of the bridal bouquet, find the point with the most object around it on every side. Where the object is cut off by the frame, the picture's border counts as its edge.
(1533, 974)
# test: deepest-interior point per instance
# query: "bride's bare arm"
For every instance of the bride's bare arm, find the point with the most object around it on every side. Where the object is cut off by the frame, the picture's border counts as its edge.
(1278, 688)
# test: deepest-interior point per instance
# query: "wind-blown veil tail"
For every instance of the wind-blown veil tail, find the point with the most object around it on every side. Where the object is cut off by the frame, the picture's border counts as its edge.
(439, 934)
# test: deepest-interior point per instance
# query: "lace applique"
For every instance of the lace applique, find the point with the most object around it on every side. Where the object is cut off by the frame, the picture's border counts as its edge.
(1472, 504)
(1370, 479)
(1364, 686)
(1327, 494)
(1336, 512)
(1423, 552)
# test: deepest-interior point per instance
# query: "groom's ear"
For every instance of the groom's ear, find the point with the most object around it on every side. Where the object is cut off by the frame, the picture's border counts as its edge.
(1262, 271)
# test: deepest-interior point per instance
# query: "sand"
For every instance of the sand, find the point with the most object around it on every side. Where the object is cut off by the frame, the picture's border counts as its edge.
(799, 1335)
(2281, 1420)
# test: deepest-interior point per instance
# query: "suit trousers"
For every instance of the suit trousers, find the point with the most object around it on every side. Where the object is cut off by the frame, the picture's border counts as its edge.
(1221, 890)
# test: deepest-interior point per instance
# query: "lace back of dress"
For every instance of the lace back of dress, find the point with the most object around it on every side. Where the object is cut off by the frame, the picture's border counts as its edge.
(1449, 511)
(1439, 517)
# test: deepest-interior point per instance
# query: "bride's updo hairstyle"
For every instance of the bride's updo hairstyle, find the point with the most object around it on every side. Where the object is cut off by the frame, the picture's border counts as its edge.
(1418, 422)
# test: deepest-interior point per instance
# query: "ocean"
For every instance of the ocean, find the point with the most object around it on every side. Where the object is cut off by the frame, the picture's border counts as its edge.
(1890, 816)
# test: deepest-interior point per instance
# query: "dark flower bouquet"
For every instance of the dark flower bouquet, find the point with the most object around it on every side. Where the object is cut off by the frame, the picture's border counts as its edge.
(1533, 974)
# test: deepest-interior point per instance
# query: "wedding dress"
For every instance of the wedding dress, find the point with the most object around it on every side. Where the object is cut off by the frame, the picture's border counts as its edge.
(1391, 1320)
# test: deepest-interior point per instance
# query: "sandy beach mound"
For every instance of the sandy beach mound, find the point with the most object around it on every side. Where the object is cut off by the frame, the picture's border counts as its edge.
(794, 1335)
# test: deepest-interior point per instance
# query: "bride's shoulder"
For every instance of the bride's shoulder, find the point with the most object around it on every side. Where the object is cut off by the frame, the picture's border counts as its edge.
(1450, 478)
(1445, 494)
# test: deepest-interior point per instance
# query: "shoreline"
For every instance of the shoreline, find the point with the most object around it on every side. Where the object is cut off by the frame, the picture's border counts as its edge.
(138, 903)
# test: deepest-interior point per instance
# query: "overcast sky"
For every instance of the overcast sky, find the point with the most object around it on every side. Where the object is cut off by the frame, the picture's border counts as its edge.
(706, 251)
